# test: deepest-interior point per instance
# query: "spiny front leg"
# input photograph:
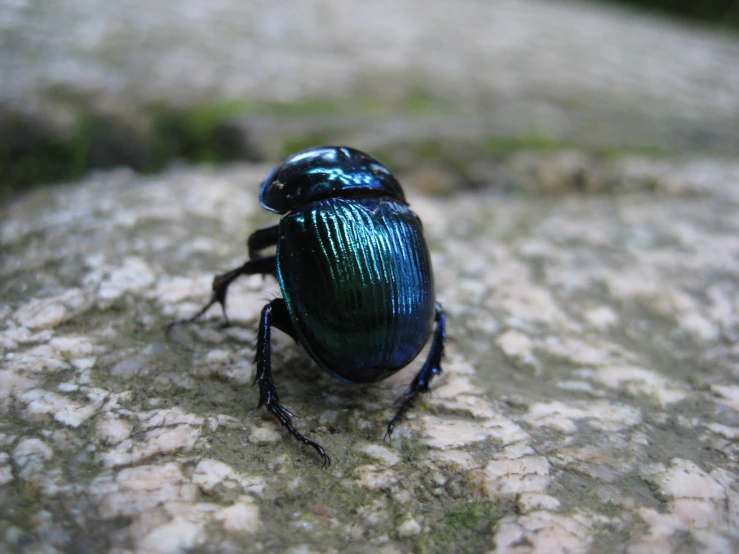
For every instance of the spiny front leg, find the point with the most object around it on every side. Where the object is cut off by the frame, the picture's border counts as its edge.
(223, 281)
(430, 368)
(275, 313)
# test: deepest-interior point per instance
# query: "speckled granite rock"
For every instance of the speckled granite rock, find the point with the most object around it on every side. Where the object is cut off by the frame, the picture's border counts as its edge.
(590, 400)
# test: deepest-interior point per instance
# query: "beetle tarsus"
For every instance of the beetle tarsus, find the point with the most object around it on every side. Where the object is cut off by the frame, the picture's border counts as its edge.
(275, 313)
(431, 368)
(286, 421)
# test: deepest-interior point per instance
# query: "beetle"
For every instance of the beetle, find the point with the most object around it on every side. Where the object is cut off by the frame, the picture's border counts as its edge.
(355, 274)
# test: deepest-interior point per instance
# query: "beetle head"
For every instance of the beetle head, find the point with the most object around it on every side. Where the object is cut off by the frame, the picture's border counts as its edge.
(324, 172)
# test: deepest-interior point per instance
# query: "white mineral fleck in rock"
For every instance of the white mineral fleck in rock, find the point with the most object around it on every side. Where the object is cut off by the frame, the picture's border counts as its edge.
(136, 490)
(178, 535)
(531, 304)
(601, 317)
(68, 387)
(478, 407)
(699, 326)
(217, 355)
(240, 517)
(41, 404)
(40, 359)
(6, 470)
(519, 348)
(134, 275)
(6, 343)
(731, 433)
(376, 478)
(581, 352)
(409, 528)
(529, 474)
(72, 347)
(30, 455)
(685, 479)
(637, 380)
(576, 386)
(119, 456)
(728, 394)
(602, 415)
(41, 314)
(601, 461)
(659, 537)
(696, 504)
(211, 473)
(517, 449)
(454, 385)
(246, 305)
(112, 429)
(159, 441)
(229, 421)
(14, 384)
(168, 416)
(534, 501)
(231, 366)
(265, 434)
(156, 441)
(6, 474)
(50, 312)
(449, 432)
(542, 532)
(453, 459)
(171, 290)
(23, 335)
(83, 364)
(388, 457)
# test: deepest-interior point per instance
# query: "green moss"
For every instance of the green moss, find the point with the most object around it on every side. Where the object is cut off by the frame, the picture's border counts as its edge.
(311, 106)
(465, 528)
(417, 101)
(33, 151)
(412, 452)
(32, 155)
(194, 134)
(420, 102)
(611, 510)
(722, 13)
(506, 146)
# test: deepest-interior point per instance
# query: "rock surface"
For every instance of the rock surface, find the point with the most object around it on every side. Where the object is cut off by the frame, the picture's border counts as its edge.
(589, 400)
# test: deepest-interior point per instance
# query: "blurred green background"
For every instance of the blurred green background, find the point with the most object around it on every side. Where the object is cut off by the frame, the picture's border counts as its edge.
(721, 12)
(724, 13)
(52, 131)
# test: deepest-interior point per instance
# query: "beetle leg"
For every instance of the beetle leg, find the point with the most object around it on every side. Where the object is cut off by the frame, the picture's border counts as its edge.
(223, 281)
(430, 368)
(261, 239)
(275, 313)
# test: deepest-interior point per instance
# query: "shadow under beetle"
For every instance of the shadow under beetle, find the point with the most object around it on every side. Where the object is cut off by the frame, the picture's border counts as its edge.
(355, 274)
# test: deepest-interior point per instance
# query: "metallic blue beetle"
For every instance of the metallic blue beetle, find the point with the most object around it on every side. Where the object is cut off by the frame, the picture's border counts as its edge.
(355, 275)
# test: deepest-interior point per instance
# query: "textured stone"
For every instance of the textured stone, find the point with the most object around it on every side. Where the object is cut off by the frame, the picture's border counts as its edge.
(624, 438)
